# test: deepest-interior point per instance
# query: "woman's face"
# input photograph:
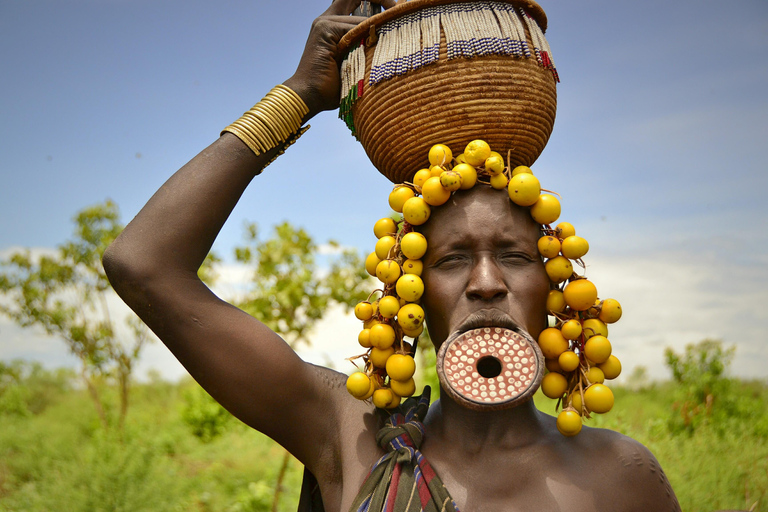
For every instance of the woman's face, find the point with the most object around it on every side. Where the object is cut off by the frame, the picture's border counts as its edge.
(482, 261)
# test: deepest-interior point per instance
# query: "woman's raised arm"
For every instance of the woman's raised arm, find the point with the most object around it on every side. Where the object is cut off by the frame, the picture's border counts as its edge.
(153, 266)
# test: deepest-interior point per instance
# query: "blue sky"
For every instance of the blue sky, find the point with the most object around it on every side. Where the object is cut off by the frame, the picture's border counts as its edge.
(658, 149)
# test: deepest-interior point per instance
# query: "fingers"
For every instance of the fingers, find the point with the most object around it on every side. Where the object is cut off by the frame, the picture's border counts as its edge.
(387, 4)
(342, 7)
(337, 19)
(346, 7)
(352, 21)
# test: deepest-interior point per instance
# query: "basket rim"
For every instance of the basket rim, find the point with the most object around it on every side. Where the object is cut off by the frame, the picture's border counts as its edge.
(406, 7)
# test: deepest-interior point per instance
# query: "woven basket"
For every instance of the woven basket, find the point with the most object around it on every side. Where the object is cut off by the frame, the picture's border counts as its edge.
(510, 102)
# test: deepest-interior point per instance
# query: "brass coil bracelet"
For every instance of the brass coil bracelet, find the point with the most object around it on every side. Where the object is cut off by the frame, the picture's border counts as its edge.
(272, 122)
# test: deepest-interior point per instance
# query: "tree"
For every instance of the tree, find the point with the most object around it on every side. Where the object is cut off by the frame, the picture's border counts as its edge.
(702, 386)
(67, 295)
(288, 292)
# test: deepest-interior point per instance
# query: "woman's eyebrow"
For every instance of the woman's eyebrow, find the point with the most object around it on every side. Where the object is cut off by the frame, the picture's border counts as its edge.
(437, 251)
(514, 242)
(457, 244)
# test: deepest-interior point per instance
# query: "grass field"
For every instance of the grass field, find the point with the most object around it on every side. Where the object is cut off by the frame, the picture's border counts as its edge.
(55, 456)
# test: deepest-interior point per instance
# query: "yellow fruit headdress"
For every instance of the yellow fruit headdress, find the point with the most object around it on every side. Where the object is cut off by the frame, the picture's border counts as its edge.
(431, 71)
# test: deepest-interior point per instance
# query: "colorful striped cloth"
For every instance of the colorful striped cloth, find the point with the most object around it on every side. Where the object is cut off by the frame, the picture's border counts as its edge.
(402, 480)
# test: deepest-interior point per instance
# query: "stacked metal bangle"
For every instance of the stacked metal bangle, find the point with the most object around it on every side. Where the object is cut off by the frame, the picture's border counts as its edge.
(272, 121)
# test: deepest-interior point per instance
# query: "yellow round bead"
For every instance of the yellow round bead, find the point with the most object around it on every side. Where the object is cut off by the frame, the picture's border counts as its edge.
(388, 271)
(524, 189)
(416, 211)
(546, 210)
(414, 267)
(410, 287)
(399, 196)
(440, 154)
(413, 245)
(468, 175)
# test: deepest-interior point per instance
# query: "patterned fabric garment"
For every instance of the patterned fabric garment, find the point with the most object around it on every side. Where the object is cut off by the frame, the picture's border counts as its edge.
(403, 480)
(400, 481)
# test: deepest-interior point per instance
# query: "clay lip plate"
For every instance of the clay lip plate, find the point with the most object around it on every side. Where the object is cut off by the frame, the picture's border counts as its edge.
(512, 379)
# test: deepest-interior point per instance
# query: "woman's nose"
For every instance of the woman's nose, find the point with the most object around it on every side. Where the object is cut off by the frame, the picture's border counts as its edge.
(486, 281)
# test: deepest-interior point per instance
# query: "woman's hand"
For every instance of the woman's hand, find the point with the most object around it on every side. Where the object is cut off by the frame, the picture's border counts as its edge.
(317, 78)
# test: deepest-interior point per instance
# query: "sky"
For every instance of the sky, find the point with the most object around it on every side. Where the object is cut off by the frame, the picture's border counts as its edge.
(659, 150)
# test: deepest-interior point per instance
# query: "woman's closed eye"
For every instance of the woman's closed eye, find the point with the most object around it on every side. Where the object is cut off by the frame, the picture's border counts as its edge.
(515, 257)
(450, 261)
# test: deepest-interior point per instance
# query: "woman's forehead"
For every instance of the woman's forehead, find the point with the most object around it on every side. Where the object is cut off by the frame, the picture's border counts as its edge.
(481, 212)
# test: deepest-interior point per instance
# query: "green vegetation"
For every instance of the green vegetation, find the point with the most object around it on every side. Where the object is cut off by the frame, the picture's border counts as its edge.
(287, 291)
(709, 432)
(178, 452)
(59, 457)
(711, 468)
(66, 294)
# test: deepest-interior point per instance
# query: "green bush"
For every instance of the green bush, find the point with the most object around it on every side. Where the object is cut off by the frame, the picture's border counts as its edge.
(28, 388)
(705, 396)
(206, 419)
(256, 498)
(107, 473)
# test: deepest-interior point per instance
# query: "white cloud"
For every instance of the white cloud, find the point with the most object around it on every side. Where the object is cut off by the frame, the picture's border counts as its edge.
(333, 340)
(332, 337)
(331, 250)
(670, 297)
(670, 300)
(231, 280)
(34, 252)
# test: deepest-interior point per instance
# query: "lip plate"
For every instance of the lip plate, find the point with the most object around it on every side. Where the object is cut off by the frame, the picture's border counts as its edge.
(511, 388)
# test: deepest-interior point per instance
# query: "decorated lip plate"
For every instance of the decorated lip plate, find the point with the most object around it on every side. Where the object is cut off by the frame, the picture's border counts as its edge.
(490, 368)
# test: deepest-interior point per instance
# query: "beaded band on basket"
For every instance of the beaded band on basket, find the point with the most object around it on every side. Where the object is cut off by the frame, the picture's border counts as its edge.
(504, 33)
(425, 72)
(577, 351)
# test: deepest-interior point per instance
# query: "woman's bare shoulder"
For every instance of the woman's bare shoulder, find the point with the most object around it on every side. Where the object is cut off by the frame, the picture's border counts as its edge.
(630, 474)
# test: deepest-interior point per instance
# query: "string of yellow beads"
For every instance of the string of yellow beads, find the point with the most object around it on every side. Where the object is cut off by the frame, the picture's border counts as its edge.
(577, 350)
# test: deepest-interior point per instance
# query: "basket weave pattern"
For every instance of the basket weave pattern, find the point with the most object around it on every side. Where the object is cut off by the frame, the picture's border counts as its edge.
(508, 102)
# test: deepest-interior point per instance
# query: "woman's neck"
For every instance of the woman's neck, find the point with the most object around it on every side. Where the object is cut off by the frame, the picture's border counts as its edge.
(509, 428)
